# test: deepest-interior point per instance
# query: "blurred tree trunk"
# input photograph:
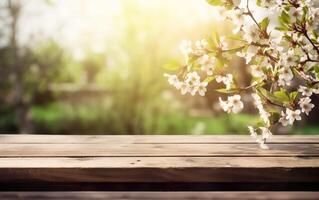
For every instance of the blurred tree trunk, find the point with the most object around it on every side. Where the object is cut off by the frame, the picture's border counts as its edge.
(21, 104)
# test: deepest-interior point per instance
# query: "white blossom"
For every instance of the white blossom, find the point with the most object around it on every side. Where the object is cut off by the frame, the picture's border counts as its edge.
(292, 115)
(252, 51)
(237, 17)
(289, 59)
(315, 89)
(233, 104)
(192, 82)
(192, 78)
(207, 64)
(306, 105)
(185, 88)
(202, 88)
(263, 146)
(305, 91)
(264, 115)
(222, 13)
(251, 33)
(223, 44)
(257, 72)
(257, 100)
(173, 80)
(193, 89)
(252, 132)
(295, 37)
(283, 120)
(268, 3)
(201, 47)
(186, 48)
(225, 105)
(201, 44)
(236, 103)
(295, 13)
(303, 58)
(265, 133)
(285, 76)
(266, 63)
(227, 80)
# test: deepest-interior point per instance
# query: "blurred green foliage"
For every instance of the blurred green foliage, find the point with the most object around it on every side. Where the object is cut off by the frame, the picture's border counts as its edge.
(80, 119)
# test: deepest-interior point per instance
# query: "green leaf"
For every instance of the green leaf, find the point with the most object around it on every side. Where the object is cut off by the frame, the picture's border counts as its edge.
(195, 66)
(284, 22)
(215, 38)
(293, 95)
(235, 37)
(263, 91)
(282, 28)
(282, 96)
(235, 50)
(316, 71)
(173, 65)
(264, 24)
(315, 68)
(209, 79)
(258, 2)
(260, 124)
(212, 44)
(315, 33)
(267, 94)
(305, 12)
(220, 63)
(215, 2)
(225, 91)
(274, 117)
(192, 59)
(284, 18)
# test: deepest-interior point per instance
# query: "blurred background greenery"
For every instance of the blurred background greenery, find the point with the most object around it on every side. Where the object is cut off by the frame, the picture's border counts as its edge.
(96, 67)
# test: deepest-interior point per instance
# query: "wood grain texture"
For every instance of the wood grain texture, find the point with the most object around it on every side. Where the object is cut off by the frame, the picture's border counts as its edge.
(152, 150)
(150, 139)
(158, 195)
(149, 175)
(161, 162)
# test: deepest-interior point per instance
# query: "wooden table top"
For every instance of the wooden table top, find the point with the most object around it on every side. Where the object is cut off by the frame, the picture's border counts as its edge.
(79, 162)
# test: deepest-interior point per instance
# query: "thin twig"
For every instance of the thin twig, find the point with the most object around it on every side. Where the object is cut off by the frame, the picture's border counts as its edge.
(307, 36)
(251, 15)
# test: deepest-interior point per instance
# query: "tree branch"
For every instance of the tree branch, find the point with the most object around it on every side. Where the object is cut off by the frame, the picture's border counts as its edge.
(307, 36)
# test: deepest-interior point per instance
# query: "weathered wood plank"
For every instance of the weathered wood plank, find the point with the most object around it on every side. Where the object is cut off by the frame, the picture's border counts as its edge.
(80, 150)
(149, 139)
(160, 162)
(159, 169)
(158, 195)
(159, 175)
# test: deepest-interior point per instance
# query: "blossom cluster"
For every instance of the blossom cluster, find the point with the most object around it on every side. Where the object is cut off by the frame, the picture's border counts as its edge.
(283, 61)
